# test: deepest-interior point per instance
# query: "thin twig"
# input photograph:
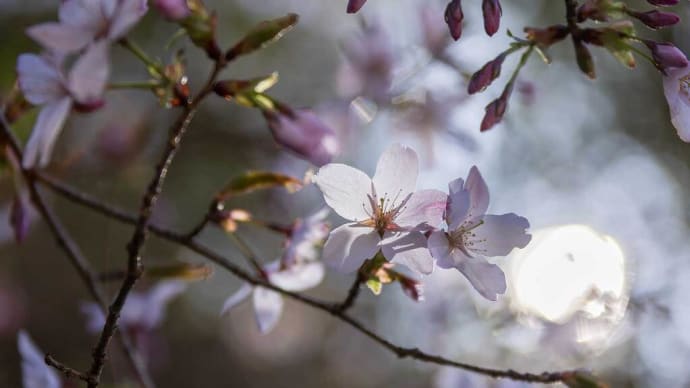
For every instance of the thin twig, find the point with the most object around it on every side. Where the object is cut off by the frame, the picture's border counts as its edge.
(328, 307)
(74, 254)
(68, 372)
(351, 295)
(136, 244)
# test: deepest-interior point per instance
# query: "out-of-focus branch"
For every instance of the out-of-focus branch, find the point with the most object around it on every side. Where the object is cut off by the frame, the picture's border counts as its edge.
(71, 249)
(351, 294)
(334, 309)
(136, 244)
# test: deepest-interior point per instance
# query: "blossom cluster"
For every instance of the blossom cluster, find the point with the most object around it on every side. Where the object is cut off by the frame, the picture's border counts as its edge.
(388, 215)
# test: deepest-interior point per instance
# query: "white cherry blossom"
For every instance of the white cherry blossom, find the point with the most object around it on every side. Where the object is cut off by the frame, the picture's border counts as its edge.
(35, 372)
(268, 304)
(474, 235)
(43, 82)
(677, 92)
(85, 21)
(385, 211)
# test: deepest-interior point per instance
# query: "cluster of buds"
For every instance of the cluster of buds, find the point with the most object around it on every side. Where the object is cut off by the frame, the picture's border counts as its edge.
(454, 16)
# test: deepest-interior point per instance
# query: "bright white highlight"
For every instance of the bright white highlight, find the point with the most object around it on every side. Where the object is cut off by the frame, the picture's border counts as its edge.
(568, 269)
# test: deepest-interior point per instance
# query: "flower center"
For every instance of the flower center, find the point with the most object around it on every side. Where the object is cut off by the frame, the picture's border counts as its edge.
(465, 239)
(684, 86)
(382, 211)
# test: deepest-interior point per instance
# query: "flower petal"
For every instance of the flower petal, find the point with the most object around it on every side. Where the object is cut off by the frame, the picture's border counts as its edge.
(35, 372)
(458, 203)
(345, 190)
(468, 202)
(409, 249)
(60, 37)
(678, 100)
(88, 15)
(95, 318)
(48, 125)
(156, 301)
(441, 250)
(39, 80)
(128, 13)
(488, 279)
(240, 295)
(268, 305)
(88, 77)
(396, 173)
(349, 245)
(299, 277)
(423, 210)
(499, 234)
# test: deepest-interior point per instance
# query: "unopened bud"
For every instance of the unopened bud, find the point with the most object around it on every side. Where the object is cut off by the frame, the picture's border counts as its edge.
(496, 109)
(487, 74)
(584, 59)
(454, 16)
(492, 15)
(172, 9)
(655, 19)
(354, 5)
(666, 55)
(545, 37)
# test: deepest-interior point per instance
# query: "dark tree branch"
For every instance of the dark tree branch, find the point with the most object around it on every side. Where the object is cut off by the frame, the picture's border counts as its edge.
(68, 372)
(136, 244)
(351, 294)
(334, 309)
(74, 254)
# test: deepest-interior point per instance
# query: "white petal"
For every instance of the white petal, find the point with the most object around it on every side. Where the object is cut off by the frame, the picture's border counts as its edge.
(156, 301)
(48, 125)
(126, 16)
(409, 249)
(349, 245)
(88, 77)
(39, 79)
(441, 250)
(95, 318)
(396, 173)
(60, 37)
(345, 190)
(469, 201)
(498, 235)
(479, 193)
(423, 210)
(458, 203)
(299, 277)
(236, 298)
(268, 305)
(678, 101)
(35, 372)
(486, 278)
(88, 15)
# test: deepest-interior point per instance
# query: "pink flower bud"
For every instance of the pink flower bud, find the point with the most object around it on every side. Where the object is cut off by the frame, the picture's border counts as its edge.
(666, 55)
(496, 109)
(172, 9)
(454, 18)
(655, 19)
(354, 5)
(19, 217)
(492, 15)
(662, 3)
(302, 132)
(487, 74)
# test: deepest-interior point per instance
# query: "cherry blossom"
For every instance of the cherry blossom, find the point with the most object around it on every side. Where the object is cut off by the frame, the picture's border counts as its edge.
(35, 372)
(474, 235)
(43, 82)
(677, 92)
(306, 237)
(268, 304)
(85, 21)
(143, 311)
(385, 211)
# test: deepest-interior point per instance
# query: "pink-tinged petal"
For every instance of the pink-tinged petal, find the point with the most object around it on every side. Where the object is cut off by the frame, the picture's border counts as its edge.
(60, 37)
(268, 305)
(39, 79)
(345, 190)
(172, 9)
(48, 125)
(156, 301)
(238, 297)
(396, 173)
(488, 279)
(424, 210)
(479, 193)
(299, 277)
(89, 75)
(126, 16)
(349, 245)
(35, 372)
(303, 133)
(441, 250)
(88, 15)
(408, 249)
(95, 318)
(498, 235)
(678, 97)
(458, 203)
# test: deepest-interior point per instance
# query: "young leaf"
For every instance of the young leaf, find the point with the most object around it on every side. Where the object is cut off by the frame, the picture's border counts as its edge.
(263, 34)
(257, 180)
